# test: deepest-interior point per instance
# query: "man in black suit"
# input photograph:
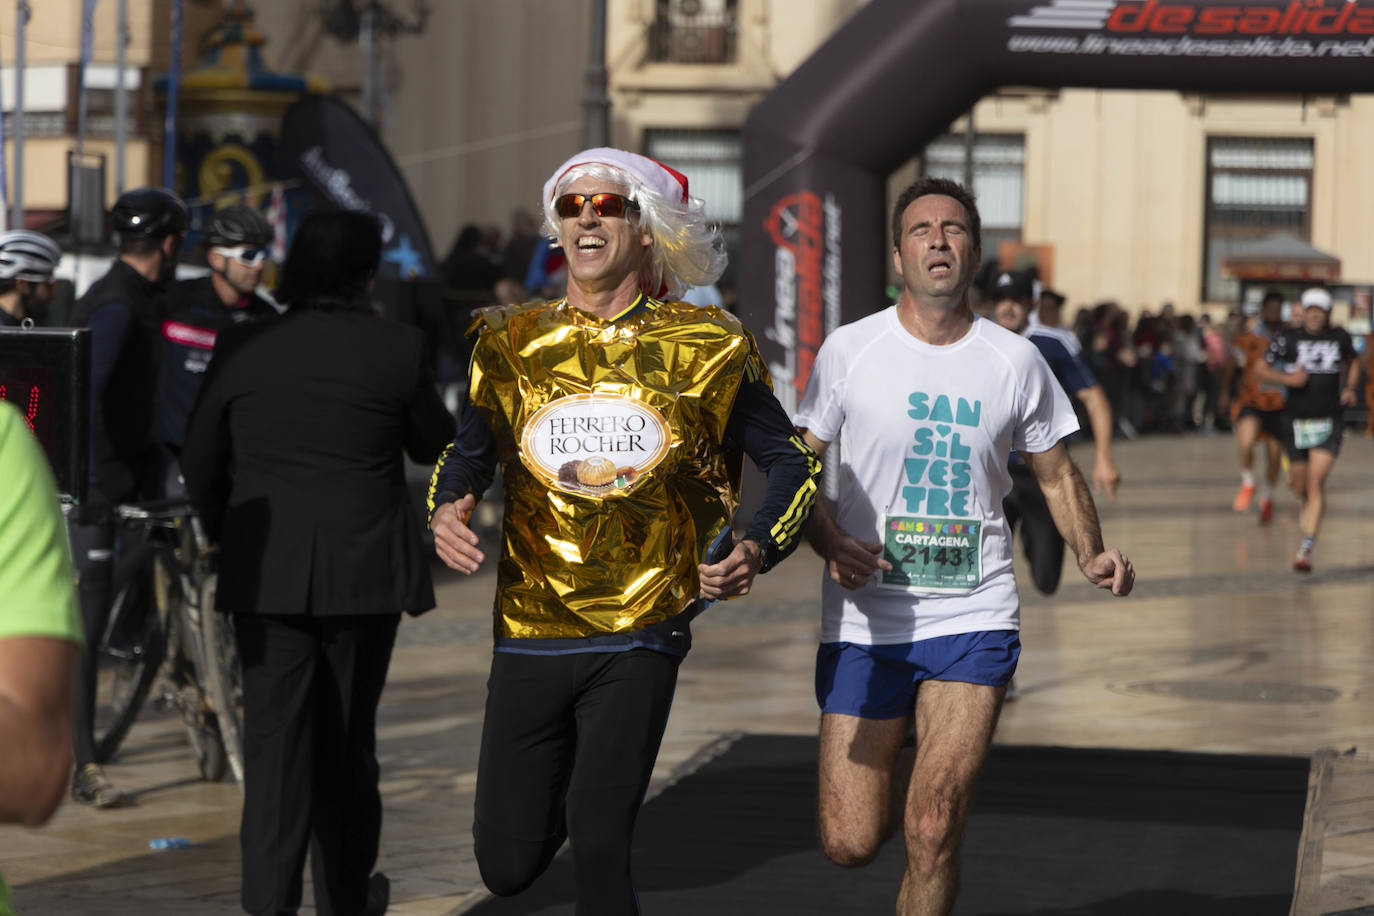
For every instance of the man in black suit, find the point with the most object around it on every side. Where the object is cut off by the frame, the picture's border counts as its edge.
(293, 457)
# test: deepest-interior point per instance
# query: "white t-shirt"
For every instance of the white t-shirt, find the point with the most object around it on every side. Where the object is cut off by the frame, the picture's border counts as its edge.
(922, 468)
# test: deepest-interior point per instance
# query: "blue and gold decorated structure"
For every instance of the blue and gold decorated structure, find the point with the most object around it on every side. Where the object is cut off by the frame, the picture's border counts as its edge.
(229, 119)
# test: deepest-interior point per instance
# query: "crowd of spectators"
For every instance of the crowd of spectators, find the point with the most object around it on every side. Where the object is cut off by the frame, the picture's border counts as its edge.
(1164, 371)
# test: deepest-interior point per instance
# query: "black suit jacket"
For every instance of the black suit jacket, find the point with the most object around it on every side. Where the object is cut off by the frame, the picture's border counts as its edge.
(293, 458)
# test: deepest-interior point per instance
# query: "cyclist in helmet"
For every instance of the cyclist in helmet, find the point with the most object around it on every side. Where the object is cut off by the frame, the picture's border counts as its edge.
(124, 310)
(28, 261)
(236, 241)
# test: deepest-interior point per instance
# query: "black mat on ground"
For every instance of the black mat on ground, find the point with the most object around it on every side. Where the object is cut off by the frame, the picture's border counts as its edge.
(1053, 831)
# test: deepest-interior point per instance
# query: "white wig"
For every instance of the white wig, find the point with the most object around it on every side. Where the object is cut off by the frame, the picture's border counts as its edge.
(687, 249)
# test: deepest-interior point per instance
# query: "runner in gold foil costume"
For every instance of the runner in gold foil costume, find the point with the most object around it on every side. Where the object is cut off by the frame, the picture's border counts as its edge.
(618, 416)
(629, 557)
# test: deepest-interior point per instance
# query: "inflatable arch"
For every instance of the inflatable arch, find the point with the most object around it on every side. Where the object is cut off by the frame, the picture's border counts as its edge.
(818, 150)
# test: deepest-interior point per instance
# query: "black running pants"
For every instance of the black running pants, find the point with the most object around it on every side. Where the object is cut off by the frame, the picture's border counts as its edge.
(568, 747)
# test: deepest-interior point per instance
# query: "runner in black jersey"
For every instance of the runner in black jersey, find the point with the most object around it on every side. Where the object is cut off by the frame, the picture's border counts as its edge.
(1317, 363)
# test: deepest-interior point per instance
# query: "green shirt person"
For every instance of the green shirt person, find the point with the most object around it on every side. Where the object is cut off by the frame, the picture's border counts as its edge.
(40, 634)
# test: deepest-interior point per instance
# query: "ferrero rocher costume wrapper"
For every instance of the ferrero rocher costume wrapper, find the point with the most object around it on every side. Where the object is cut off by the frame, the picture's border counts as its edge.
(610, 442)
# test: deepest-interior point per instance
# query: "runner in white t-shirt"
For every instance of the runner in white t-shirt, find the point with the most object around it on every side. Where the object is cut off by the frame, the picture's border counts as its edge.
(920, 610)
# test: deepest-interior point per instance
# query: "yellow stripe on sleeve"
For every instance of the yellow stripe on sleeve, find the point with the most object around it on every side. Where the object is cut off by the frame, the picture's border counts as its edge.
(434, 479)
(789, 525)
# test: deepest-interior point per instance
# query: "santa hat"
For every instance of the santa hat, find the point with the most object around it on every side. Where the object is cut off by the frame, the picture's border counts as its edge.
(667, 183)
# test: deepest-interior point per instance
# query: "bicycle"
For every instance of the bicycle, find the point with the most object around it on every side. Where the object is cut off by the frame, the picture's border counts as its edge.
(163, 629)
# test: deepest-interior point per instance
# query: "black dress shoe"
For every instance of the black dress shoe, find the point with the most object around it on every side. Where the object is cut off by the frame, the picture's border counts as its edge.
(378, 895)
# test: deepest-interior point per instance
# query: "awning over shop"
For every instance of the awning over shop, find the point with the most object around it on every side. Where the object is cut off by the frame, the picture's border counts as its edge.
(1280, 258)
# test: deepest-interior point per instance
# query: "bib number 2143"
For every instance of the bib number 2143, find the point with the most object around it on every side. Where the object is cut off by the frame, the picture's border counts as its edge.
(942, 555)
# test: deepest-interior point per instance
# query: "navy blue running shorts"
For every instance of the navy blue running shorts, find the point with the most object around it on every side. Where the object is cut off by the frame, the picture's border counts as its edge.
(879, 682)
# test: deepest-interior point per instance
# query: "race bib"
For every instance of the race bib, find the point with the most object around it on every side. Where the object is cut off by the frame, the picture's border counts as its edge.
(1311, 433)
(940, 555)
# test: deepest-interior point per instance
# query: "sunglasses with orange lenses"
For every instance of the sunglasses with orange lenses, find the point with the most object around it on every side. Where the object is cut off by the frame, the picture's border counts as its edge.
(570, 206)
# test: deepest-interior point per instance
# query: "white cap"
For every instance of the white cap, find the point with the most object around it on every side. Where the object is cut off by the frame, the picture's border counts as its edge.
(1316, 297)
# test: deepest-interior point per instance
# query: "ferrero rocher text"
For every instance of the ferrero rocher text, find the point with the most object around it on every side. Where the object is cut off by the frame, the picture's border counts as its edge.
(573, 435)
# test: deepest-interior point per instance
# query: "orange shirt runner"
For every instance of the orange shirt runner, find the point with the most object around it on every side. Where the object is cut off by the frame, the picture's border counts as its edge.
(1250, 348)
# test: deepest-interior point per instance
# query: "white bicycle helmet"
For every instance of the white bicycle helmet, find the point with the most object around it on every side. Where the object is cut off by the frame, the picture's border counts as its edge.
(26, 255)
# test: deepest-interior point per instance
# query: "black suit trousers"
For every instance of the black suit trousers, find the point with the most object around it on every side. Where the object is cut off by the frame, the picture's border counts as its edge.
(311, 686)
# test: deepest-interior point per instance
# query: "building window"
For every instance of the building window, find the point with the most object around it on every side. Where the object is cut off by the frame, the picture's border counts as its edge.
(38, 124)
(693, 32)
(999, 180)
(1256, 187)
(713, 161)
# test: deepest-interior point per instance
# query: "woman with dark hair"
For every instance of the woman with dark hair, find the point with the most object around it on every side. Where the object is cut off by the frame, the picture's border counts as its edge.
(293, 457)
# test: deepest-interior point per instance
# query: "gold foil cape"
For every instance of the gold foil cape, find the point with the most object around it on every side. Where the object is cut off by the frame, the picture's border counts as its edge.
(576, 564)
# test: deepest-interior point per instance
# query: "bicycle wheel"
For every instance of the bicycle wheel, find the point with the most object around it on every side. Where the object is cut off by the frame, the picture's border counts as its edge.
(129, 653)
(223, 676)
(185, 658)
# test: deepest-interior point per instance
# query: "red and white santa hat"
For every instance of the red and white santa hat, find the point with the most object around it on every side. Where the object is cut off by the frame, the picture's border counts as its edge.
(667, 183)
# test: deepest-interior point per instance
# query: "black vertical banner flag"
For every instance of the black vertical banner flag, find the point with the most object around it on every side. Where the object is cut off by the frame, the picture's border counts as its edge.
(340, 158)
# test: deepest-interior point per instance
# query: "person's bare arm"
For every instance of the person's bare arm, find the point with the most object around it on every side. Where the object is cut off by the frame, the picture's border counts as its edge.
(733, 576)
(454, 542)
(1267, 373)
(1105, 473)
(36, 691)
(1352, 384)
(1071, 505)
(849, 561)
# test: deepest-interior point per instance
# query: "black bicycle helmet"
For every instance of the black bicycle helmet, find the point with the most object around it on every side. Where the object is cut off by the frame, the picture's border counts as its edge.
(237, 224)
(148, 213)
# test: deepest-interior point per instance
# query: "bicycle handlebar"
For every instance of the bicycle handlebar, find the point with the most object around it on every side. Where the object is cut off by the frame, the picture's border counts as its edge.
(154, 510)
(169, 513)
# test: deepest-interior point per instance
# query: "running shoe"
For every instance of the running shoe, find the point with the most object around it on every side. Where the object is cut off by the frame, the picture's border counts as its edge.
(1243, 497)
(1266, 511)
(1303, 561)
(91, 786)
